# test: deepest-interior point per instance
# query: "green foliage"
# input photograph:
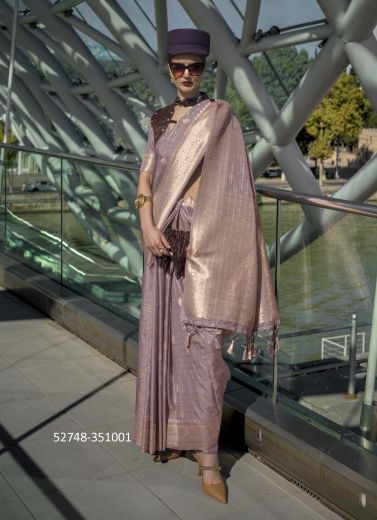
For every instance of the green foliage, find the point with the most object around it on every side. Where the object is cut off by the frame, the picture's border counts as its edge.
(320, 148)
(341, 115)
(12, 139)
(289, 63)
(239, 108)
(371, 119)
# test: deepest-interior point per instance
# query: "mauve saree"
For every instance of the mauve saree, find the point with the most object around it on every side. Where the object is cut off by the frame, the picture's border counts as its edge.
(226, 285)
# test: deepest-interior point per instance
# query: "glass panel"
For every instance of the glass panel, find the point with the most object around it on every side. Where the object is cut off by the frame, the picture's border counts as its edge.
(142, 15)
(102, 254)
(288, 13)
(85, 13)
(3, 154)
(33, 210)
(233, 14)
(322, 286)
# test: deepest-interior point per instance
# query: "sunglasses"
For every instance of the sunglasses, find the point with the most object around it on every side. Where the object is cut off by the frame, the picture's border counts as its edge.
(178, 69)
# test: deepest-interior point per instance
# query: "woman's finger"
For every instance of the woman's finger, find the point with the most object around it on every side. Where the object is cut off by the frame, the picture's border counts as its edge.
(164, 241)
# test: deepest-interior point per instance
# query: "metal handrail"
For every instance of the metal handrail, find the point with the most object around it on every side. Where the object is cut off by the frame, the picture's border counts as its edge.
(347, 206)
(71, 157)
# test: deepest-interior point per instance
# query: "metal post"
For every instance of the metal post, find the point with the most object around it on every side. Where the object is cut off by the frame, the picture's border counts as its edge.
(10, 72)
(9, 94)
(351, 393)
(366, 419)
(277, 283)
(337, 142)
(61, 222)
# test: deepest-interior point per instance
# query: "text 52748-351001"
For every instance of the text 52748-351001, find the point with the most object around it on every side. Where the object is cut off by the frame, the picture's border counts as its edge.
(92, 437)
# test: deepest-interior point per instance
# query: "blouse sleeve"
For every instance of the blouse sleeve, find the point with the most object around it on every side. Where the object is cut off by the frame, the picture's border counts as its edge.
(149, 160)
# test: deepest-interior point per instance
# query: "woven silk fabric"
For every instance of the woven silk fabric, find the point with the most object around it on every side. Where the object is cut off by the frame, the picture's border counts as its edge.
(227, 275)
(179, 390)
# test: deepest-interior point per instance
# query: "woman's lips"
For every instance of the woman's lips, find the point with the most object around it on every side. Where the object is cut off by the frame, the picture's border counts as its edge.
(187, 83)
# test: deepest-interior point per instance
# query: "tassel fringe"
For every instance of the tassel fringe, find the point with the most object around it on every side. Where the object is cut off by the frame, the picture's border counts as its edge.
(250, 350)
(269, 336)
(231, 346)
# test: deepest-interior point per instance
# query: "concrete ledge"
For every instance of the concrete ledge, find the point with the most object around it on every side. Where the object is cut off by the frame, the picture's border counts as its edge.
(338, 473)
(342, 475)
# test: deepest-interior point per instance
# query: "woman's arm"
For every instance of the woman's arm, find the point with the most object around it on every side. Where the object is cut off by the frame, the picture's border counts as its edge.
(144, 186)
(154, 239)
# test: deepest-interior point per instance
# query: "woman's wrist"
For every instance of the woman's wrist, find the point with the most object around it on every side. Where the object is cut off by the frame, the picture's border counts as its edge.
(146, 225)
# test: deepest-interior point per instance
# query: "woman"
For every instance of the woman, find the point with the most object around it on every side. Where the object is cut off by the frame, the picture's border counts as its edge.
(206, 271)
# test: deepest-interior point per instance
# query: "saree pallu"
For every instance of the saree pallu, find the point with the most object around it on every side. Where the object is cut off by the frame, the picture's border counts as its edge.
(179, 394)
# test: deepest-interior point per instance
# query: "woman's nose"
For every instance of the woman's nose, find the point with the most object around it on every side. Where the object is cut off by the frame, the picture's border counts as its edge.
(186, 73)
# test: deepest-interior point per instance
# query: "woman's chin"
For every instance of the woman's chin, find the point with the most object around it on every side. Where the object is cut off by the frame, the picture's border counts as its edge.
(188, 91)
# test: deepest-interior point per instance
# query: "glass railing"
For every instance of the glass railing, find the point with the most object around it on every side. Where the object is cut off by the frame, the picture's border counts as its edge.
(73, 219)
(325, 284)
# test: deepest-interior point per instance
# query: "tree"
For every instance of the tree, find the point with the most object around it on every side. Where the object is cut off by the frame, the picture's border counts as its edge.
(12, 139)
(289, 63)
(343, 111)
(371, 119)
(338, 118)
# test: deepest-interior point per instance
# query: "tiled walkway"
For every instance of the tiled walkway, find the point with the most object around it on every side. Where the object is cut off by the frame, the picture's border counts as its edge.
(52, 382)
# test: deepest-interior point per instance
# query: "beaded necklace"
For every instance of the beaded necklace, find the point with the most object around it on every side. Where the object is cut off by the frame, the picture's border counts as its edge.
(192, 100)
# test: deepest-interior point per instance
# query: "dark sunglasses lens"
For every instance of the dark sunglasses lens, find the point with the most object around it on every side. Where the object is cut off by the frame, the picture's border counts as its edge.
(196, 69)
(177, 68)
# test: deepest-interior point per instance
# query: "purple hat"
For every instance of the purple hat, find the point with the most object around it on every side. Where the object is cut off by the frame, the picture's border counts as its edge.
(188, 41)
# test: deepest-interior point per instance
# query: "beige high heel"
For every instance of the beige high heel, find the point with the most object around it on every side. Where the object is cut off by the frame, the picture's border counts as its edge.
(217, 490)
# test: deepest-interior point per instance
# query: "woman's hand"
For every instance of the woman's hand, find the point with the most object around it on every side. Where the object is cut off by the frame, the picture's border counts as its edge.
(155, 240)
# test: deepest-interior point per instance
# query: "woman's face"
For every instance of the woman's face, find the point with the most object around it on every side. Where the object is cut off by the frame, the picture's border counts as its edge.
(187, 82)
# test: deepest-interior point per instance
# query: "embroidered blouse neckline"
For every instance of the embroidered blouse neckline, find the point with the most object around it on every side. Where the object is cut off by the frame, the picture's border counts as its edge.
(186, 114)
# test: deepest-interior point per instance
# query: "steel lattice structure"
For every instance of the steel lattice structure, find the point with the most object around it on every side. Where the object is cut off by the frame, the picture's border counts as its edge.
(49, 111)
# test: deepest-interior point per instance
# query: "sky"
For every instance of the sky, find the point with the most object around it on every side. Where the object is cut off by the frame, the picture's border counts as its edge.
(282, 13)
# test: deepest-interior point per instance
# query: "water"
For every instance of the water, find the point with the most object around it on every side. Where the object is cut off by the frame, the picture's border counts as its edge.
(321, 286)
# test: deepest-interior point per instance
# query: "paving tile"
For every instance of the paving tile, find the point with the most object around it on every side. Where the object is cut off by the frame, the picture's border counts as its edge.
(37, 351)
(72, 374)
(115, 497)
(36, 418)
(7, 493)
(40, 465)
(20, 330)
(15, 511)
(108, 405)
(4, 362)
(14, 387)
(23, 327)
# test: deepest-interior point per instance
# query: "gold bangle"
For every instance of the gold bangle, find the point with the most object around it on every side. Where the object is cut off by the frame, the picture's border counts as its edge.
(141, 199)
